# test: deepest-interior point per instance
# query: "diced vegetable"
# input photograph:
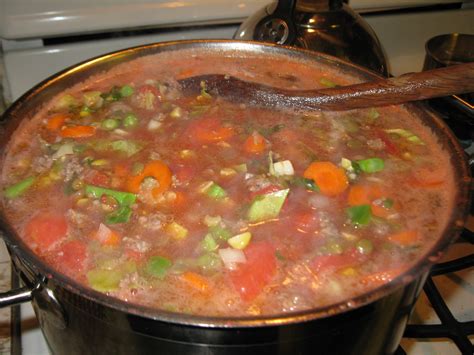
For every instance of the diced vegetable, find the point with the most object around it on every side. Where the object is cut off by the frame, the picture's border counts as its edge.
(213, 190)
(404, 238)
(212, 221)
(128, 147)
(109, 124)
(65, 149)
(209, 130)
(240, 241)
(77, 131)
(209, 261)
(267, 206)
(283, 168)
(158, 266)
(209, 244)
(93, 99)
(45, 230)
(104, 279)
(66, 102)
(121, 215)
(56, 121)
(371, 165)
(330, 179)
(123, 198)
(155, 169)
(220, 233)
(255, 143)
(405, 134)
(196, 281)
(126, 91)
(251, 277)
(231, 257)
(107, 236)
(19, 188)
(130, 121)
(177, 231)
(360, 215)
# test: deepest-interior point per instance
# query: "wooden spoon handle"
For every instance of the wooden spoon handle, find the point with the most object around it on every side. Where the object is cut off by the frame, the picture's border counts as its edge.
(456, 79)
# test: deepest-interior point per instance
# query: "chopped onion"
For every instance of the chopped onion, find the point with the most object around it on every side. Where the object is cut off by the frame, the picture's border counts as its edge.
(282, 168)
(231, 257)
(154, 125)
(65, 149)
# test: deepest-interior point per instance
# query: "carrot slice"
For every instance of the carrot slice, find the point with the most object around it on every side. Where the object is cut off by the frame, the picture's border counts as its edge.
(196, 281)
(405, 238)
(330, 179)
(427, 178)
(56, 121)
(255, 143)
(368, 195)
(210, 130)
(77, 131)
(156, 169)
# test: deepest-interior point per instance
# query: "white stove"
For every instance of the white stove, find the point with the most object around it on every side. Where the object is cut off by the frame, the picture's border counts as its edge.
(41, 37)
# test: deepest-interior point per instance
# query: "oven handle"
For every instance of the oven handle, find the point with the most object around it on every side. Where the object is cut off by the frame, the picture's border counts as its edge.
(17, 296)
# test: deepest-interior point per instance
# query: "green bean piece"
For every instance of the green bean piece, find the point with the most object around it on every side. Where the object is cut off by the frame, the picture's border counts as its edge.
(19, 188)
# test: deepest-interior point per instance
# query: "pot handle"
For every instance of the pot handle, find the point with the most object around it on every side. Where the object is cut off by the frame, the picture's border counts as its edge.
(16, 296)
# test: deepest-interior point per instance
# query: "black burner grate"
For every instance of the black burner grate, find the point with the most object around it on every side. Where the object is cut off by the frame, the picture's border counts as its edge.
(449, 327)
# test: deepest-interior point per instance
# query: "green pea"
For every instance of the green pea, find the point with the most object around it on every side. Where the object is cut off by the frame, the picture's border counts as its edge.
(130, 121)
(126, 91)
(110, 124)
(364, 246)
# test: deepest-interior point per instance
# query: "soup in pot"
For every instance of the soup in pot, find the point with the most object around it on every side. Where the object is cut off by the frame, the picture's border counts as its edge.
(199, 205)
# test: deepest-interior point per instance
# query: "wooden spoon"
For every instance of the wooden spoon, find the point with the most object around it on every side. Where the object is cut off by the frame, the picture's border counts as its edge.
(456, 79)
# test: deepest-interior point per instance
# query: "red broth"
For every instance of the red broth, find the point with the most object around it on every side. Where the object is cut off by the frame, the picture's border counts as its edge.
(198, 205)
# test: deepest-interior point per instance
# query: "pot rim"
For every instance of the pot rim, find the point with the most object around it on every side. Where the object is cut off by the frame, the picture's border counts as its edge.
(452, 229)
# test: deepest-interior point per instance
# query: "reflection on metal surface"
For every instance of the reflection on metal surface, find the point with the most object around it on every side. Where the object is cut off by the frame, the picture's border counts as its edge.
(325, 26)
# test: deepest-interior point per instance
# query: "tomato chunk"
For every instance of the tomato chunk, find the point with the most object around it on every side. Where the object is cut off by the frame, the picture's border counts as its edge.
(72, 257)
(250, 278)
(45, 230)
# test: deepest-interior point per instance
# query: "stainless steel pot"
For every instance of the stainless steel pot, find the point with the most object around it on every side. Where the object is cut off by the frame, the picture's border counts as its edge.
(78, 320)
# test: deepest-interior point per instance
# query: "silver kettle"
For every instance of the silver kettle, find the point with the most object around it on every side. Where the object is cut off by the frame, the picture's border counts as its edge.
(328, 26)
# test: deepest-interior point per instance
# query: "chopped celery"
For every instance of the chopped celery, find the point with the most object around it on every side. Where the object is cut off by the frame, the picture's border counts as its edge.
(158, 266)
(240, 241)
(213, 190)
(208, 243)
(371, 165)
(360, 215)
(19, 188)
(267, 206)
(176, 230)
(104, 280)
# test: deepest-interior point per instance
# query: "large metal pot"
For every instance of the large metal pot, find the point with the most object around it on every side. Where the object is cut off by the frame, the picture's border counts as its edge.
(78, 320)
